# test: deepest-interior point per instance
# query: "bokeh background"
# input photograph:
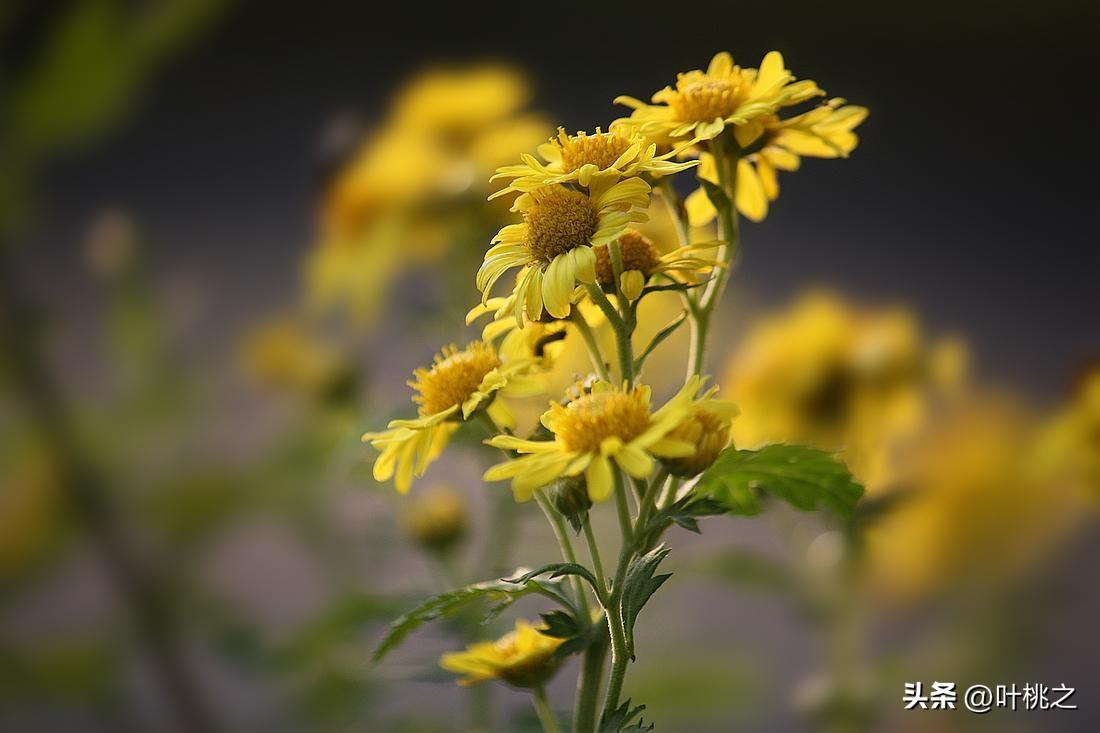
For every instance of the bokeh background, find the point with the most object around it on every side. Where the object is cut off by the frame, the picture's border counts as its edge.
(227, 241)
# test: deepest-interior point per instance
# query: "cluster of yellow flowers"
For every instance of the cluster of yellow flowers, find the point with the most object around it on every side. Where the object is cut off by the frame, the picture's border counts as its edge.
(581, 265)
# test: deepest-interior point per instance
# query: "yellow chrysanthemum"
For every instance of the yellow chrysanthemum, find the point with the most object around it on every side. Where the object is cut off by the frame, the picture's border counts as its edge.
(522, 658)
(641, 260)
(541, 340)
(457, 385)
(554, 243)
(704, 103)
(830, 375)
(596, 427)
(619, 153)
(774, 145)
(707, 428)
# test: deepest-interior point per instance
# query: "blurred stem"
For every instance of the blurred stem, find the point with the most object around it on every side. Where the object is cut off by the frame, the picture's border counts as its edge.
(729, 233)
(598, 362)
(148, 601)
(588, 686)
(675, 209)
(542, 709)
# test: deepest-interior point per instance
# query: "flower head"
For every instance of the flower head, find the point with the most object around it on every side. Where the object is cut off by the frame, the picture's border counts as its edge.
(704, 103)
(621, 152)
(597, 426)
(437, 519)
(775, 145)
(707, 428)
(554, 243)
(641, 260)
(459, 383)
(522, 658)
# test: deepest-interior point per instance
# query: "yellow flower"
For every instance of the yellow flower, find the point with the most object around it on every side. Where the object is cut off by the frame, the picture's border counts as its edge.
(437, 519)
(974, 513)
(772, 145)
(522, 658)
(642, 260)
(554, 243)
(618, 153)
(460, 102)
(829, 375)
(453, 389)
(596, 427)
(707, 429)
(1068, 451)
(704, 103)
(284, 354)
(541, 340)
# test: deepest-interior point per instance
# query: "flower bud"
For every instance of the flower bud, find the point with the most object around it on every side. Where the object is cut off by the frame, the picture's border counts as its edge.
(569, 495)
(437, 520)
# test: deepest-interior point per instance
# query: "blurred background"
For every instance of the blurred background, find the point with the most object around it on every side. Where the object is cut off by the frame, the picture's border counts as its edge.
(230, 231)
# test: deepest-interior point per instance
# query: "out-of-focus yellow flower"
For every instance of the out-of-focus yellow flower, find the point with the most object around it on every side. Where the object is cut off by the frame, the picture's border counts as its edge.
(825, 374)
(284, 354)
(522, 658)
(1068, 451)
(30, 510)
(400, 199)
(436, 519)
(459, 102)
(704, 103)
(772, 145)
(597, 426)
(618, 153)
(458, 385)
(553, 245)
(973, 513)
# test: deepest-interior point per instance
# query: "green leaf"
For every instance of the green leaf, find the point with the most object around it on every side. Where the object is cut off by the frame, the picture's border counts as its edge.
(684, 512)
(502, 593)
(638, 585)
(578, 636)
(806, 478)
(557, 570)
(618, 719)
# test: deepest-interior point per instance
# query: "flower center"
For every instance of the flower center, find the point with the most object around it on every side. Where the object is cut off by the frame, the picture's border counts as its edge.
(710, 434)
(558, 221)
(589, 420)
(638, 253)
(707, 98)
(601, 149)
(453, 377)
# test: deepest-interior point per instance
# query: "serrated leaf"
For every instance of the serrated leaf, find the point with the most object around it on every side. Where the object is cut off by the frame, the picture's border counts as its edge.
(502, 593)
(639, 585)
(558, 570)
(617, 720)
(559, 624)
(806, 478)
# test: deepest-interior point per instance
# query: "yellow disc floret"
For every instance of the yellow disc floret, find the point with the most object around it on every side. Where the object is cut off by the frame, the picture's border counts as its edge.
(454, 377)
(558, 221)
(702, 98)
(602, 149)
(709, 432)
(586, 422)
(638, 253)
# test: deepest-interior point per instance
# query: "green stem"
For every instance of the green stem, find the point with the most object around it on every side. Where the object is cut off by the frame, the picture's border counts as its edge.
(567, 553)
(620, 656)
(622, 331)
(588, 687)
(589, 339)
(729, 232)
(594, 553)
(542, 709)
